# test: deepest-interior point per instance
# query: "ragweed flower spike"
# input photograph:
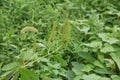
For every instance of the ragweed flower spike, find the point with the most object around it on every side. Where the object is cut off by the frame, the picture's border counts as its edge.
(33, 29)
(28, 28)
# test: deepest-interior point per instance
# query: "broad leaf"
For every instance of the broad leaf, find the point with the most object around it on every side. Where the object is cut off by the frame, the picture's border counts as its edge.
(61, 60)
(97, 63)
(116, 58)
(115, 77)
(11, 66)
(107, 48)
(27, 74)
(91, 77)
(78, 77)
(70, 75)
(102, 71)
(15, 77)
(94, 44)
(87, 68)
(86, 56)
(28, 55)
(77, 68)
(107, 38)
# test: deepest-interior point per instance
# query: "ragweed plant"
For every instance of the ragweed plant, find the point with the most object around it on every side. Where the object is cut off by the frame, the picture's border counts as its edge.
(65, 32)
(33, 29)
(52, 35)
(28, 28)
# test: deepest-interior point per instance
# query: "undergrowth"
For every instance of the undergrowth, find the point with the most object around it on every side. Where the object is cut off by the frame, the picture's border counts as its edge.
(59, 40)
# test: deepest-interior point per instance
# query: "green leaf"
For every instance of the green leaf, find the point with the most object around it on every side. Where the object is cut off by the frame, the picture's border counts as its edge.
(87, 68)
(110, 63)
(5, 74)
(116, 58)
(28, 55)
(115, 77)
(101, 57)
(41, 45)
(10, 66)
(84, 29)
(55, 66)
(55, 72)
(86, 56)
(102, 71)
(55, 79)
(107, 38)
(44, 59)
(16, 76)
(27, 74)
(94, 44)
(61, 60)
(79, 77)
(107, 48)
(91, 77)
(77, 68)
(70, 75)
(104, 78)
(97, 63)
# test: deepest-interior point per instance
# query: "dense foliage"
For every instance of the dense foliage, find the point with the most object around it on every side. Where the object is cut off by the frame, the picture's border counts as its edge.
(68, 40)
